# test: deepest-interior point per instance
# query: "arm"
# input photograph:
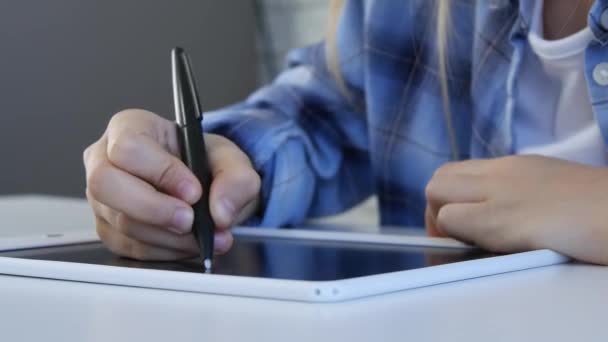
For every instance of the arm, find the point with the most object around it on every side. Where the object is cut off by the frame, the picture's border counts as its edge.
(305, 138)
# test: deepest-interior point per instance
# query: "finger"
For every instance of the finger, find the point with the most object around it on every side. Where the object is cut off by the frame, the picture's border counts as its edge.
(222, 241)
(147, 123)
(142, 156)
(168, 237)
(158, 236)
(431, 225)
(94, 154)
(447, 188)
(462, 221)
(128, 247)
(155, 236)
(472, 167)
(236, 185)
(132, 196)
(234, 196)
(100, 210)
(456, 188)
(456, 182)
(248, 211)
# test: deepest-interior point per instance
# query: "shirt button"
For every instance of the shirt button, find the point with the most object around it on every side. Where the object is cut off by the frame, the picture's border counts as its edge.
(600, 74)
(604, 20)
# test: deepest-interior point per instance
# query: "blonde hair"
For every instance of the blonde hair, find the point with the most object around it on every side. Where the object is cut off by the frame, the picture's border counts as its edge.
(331, 47)
(443, 22)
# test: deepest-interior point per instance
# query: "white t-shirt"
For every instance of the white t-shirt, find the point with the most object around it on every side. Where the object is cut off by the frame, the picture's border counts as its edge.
(554, 116)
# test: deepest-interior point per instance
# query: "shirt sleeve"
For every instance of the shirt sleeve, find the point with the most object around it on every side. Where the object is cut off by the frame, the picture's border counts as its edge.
(306, 138)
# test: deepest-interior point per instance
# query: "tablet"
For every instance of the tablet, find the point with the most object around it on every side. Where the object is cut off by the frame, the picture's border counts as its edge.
(300, 265)
(21, 215)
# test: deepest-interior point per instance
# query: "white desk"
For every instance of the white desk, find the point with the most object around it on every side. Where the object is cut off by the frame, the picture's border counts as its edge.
(557, 303)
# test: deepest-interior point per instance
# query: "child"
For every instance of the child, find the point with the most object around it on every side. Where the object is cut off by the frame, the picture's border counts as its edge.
(484, 121)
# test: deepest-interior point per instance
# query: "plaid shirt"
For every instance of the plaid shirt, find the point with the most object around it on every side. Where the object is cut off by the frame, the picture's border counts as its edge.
(319, 153)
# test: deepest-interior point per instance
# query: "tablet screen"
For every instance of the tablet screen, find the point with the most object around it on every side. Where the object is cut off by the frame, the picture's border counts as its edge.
(278, 258)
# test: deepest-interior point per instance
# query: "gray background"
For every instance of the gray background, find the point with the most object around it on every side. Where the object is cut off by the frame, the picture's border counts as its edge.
(67, 65)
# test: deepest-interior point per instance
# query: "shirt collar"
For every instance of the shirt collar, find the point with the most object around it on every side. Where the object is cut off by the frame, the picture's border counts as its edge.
(526, 10)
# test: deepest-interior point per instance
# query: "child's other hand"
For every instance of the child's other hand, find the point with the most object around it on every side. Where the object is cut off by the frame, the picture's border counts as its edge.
(522, 203)
(142, 193)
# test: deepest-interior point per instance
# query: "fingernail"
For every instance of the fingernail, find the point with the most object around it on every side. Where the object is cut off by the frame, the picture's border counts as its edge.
(187, 191)
(182, 219)
(225, 212)
(175, 230)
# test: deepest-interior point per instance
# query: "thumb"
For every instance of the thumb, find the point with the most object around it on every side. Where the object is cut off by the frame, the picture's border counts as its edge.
(234, 193)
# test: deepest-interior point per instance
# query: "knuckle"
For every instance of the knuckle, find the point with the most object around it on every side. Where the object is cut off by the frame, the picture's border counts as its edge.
(438, 175)
(168, 173)
(85, 154)
(224, 146)
(118, 244)
(430, 189)
(89, 155)
(117, 118)
(134, 116)
(95, 206)
(96, 179)
(101, 229)
(444, 169)
(439, 179)
(123, 224)
(122, 148)
(252, 180)
(447, 168)
(123, 115)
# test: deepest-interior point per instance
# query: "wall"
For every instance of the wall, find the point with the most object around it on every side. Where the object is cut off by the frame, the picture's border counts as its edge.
(284, 25)
(67, 65)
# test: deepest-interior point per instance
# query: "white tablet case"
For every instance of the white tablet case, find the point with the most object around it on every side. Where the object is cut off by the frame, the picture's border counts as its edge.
(308, 291)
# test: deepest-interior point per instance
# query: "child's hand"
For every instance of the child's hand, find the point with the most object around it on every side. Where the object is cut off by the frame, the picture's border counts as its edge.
(521, 203)
(142, 193)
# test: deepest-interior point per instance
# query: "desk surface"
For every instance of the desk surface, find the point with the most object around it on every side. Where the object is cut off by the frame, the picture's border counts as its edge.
(556, 303)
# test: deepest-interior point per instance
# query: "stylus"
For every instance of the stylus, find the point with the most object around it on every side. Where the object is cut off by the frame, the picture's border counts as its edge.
(189, 119)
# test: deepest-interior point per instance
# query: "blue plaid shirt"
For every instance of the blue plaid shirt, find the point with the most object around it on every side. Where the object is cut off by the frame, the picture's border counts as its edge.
(319, 153)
